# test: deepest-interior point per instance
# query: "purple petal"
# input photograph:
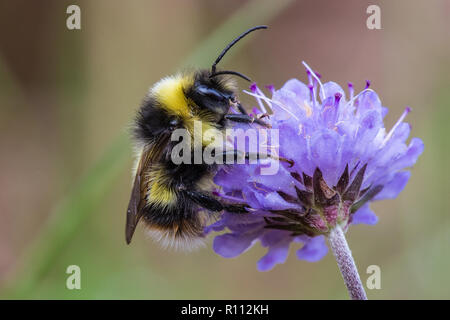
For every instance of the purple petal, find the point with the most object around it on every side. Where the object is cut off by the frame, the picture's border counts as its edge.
(297, 87)
(274, 201)
(394, 187)
(289, 105)
(236, 223)
(216, 226)
(231, 245)
(324, 152)
(231, 177)
(281, 181)
(293, 145)
(369, 101)
(278, 243)
(402, 132)
(365, 215)
(331, 88)
(313, 250)
(276, 255)
(413, 152)
(371, 121)
(370, 125)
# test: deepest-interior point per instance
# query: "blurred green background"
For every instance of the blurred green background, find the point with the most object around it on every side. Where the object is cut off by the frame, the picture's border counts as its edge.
(67, 99)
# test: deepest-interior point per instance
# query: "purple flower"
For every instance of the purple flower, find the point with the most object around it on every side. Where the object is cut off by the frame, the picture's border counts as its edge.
(343, 157)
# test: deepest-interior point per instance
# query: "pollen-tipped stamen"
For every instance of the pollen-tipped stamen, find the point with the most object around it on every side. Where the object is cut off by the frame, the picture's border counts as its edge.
(322, 90)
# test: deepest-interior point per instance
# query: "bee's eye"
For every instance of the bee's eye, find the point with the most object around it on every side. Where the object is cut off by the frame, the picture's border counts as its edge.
(173, 123)
(210, 93)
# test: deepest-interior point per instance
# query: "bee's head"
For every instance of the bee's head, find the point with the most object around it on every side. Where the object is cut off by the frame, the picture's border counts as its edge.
(215, 94)
(213, 90)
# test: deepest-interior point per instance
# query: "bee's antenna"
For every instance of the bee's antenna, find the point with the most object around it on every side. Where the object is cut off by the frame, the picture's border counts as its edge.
(232, 43)
(243, 76)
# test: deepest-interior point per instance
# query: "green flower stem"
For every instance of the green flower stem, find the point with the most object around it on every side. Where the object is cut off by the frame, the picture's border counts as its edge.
(346, 264)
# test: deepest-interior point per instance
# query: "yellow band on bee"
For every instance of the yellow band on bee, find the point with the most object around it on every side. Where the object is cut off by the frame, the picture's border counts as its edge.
(170, 91)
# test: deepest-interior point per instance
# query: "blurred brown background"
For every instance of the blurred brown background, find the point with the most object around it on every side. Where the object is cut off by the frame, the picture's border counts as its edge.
(66, 96)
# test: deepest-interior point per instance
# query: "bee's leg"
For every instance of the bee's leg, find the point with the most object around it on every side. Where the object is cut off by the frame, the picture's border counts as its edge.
(245, 118)
(242, 109)
(208, 201)
(236, 154)
(258, 119)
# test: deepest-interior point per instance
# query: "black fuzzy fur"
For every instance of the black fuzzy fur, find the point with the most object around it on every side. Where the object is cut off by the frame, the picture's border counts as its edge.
(210, 98)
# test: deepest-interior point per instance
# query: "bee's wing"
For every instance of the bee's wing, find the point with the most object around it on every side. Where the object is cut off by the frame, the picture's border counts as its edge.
(137, 199)
(133, 214)
(149, 155)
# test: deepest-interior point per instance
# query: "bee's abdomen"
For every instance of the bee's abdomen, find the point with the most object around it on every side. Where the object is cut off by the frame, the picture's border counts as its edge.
(179, 225)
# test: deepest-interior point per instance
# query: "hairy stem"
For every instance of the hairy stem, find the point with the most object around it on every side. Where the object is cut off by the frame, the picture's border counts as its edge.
(346, 264)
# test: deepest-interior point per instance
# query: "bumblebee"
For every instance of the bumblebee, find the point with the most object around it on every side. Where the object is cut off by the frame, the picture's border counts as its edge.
(175, 200)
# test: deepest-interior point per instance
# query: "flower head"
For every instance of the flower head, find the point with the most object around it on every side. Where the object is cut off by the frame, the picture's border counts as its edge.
(343, 158)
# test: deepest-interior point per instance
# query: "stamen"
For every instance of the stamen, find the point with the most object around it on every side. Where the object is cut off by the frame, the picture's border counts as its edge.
(399, 121)
(255, 111)
(271, 101)
(271, 88)
(254, 88)
(315, 89)
(357, 96)
(351, 90)
(308, 73)
(367, 84)
(337, 99)
(317, 78)
(313, 96)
